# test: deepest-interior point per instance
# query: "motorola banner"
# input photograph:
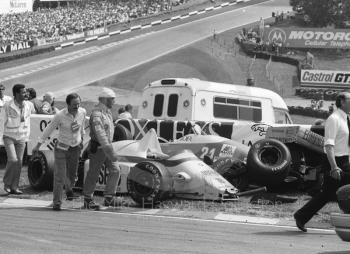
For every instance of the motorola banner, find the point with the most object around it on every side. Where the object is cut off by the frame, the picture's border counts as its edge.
(308, 37)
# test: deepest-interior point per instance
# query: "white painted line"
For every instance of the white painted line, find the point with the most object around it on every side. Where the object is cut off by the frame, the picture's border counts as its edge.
(234, 3)
(115, 32)
(150, 211)
(26, 202)
(175, 17)
(135, 27)
(146, 26)
(166, 21)
(103, 37)
(192, 13)
(91, 38)
(125, 31)
(217, 7)
(201, 12)
(156, 22)
(67, 44)
(184, 17)
(247, 219)
(224, 4)
(209, 8)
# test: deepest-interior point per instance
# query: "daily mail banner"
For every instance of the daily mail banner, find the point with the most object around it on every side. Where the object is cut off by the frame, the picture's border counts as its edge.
(15, 6)
(309, 37)
(16, 46)
(338, 78)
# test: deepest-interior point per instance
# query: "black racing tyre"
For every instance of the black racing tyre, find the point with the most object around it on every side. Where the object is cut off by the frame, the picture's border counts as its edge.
(40, 170)
(343, 197)
(268, 162)
(121, 133)
(149, 183)
(233, 171)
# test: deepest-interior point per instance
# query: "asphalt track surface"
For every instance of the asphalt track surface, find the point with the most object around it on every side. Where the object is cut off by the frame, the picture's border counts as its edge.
(75, 69)
(41, 230)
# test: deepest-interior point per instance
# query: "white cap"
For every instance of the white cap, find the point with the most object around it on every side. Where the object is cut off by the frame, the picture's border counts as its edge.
(106, 93)
(49, 95)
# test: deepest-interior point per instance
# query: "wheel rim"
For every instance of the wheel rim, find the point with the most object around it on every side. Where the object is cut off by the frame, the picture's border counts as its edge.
(270, 156)
(144, 183)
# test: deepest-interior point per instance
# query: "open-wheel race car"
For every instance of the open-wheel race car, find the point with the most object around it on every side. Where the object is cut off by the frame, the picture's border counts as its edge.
(155, 174)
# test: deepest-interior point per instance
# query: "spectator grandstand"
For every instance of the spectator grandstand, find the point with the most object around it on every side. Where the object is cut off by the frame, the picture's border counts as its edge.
(74, 18)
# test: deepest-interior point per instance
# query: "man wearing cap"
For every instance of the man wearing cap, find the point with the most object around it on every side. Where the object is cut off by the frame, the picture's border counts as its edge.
(101, 151)
(3, 100)
(47, 107)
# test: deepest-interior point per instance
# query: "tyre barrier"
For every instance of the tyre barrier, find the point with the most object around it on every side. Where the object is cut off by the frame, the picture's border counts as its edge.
(40, 170)
(149, 183)
(233, 171)
(308, 111)
(317, 94)
(268, 162)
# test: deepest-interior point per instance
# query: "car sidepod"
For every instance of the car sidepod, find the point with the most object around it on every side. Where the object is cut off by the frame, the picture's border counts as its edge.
(193, 179)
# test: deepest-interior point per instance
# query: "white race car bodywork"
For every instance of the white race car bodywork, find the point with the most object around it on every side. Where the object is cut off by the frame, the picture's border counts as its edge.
(188, 177)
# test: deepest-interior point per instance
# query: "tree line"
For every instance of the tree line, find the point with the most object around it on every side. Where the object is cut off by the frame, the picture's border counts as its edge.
(322, 13)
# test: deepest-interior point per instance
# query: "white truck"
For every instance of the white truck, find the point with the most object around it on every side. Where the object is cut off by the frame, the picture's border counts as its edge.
(198, 100)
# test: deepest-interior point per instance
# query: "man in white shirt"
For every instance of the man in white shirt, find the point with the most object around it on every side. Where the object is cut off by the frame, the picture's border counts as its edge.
(336, 167)
(70, 123)
(3, 100)
(16, 133)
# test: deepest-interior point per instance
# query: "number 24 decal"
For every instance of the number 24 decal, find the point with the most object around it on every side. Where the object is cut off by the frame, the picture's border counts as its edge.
(206, 152)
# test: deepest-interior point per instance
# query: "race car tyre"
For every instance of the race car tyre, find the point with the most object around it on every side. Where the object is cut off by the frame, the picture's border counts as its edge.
(268, 162)
(121, 133)
(40, 170)
(149, 183)
(233, 171)
(343, 196)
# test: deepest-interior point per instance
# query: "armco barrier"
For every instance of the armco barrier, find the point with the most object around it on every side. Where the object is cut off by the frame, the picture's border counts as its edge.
(32, 52)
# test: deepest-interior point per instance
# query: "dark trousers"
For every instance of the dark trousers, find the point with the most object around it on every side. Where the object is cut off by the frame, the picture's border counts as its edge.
(328, 191)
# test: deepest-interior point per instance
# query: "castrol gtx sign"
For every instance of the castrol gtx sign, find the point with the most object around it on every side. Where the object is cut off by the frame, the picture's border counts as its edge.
(309, 37)
(340, 78)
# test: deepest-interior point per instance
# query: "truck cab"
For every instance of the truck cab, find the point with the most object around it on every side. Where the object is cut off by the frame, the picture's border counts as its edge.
(198, 100)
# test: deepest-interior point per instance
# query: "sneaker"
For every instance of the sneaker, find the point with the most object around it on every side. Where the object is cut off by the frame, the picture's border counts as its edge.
(90, 204)
(71, 195)
(7, 190)
(56, 207)
(113, 201)
(16, 192)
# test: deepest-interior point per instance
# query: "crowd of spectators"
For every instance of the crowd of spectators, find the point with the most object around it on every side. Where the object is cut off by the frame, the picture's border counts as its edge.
(75, 17)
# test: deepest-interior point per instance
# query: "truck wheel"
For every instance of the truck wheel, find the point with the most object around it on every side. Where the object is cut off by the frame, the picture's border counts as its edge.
(268, 162)
(233, 171)
(148, 183)
(40, 170)
(121, 133)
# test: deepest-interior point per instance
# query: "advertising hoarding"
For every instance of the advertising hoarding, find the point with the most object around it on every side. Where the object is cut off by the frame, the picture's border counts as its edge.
(309, 37)
(326, 78)
(15, 6)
